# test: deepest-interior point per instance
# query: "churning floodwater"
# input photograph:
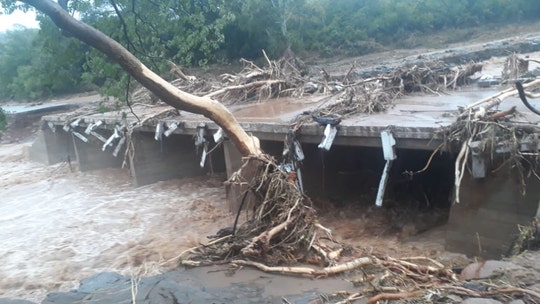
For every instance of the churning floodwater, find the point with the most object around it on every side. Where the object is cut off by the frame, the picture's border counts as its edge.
(58, 227)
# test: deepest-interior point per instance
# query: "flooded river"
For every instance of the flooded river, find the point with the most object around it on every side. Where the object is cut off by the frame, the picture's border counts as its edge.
(58, 227)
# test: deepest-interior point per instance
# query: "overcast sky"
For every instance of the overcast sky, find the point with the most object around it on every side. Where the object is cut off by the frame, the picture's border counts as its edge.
(7, 22)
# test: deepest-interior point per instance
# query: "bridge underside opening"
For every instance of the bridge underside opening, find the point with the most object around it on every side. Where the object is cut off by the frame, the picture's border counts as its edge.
(346, 180)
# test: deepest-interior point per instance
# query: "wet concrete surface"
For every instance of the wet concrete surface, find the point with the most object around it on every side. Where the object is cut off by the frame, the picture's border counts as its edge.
(198, 285)
(415, 119)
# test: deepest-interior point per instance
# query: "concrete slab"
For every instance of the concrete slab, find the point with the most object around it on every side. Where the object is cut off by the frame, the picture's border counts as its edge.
(414, 120)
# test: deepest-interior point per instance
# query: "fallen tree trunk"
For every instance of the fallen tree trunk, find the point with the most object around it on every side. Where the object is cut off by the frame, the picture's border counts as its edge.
(171, 95)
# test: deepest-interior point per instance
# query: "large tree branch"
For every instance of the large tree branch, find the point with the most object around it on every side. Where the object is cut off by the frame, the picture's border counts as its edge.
(173, 96)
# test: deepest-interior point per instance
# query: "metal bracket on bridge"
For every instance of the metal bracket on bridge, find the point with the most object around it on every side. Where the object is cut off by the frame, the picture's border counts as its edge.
(389, 152)
(90, 130)
(79, 135)
(93, 126)
(330, 132)
(75, 123)
(298, 152)
(199, 137)
(98, 136)
(173, 126)
(52, 126)
(68, 126)
(71, 127)
(115, 135)
(204, 154)
(201, 141)
(159, 131)
(121, 142)
(478, 161)
(218, 136)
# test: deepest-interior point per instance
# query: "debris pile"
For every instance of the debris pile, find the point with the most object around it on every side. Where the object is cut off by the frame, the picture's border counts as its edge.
(480, 130)
(514, 68)
(281, 226)
(290, 77)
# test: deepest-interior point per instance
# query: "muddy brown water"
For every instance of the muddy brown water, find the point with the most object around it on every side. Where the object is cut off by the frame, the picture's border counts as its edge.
(58, 227)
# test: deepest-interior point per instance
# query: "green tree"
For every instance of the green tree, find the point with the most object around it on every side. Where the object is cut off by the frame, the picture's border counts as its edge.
(48, 73)
(16, 51)
(30, 65)
(197, 32)
(188, 32)
(272, 25)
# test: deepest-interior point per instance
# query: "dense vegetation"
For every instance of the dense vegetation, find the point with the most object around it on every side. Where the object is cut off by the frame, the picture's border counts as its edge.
(40, 63)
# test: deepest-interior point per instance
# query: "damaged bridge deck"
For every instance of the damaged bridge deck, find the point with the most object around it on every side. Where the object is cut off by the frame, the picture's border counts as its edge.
(163, 147)
(415, 121)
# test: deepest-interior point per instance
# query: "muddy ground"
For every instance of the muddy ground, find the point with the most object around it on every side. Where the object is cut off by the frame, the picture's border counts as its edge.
(59, 227)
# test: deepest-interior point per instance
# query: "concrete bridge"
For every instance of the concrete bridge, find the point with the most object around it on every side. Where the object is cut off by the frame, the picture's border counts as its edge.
(163, 147)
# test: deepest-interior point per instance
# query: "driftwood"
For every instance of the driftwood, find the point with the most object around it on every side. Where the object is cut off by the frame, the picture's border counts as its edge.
(502, 114)
(423, 281)
(496, 99)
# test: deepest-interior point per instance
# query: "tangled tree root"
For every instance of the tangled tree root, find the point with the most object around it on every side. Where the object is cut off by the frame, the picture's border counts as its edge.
(283, 230)
(282, 226)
